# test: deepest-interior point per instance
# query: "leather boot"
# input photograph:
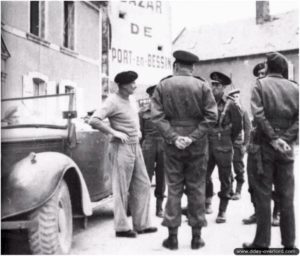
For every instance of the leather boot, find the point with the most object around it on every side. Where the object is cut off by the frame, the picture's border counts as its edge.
(221, 218)
(276, 215)
(237, 194)
(171, 242)
(159, 210)
(250, 220)
(208, 208)
(197, 241)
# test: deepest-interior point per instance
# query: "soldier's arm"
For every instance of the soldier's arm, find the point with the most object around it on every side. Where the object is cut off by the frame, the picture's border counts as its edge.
(247, 128)
(258, 112)
(210, 112)
(97, 121)
(236, 118)
(292, 132)
(159, 118)
(100, 125)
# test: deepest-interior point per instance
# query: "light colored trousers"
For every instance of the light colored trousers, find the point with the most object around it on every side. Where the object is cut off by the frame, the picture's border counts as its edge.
(131, 186)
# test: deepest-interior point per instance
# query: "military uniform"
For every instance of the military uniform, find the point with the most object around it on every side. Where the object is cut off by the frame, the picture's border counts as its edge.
(254, 161)
(221, 139)
(183, 105)
(275, 108)
(239, 149)
(152, 146)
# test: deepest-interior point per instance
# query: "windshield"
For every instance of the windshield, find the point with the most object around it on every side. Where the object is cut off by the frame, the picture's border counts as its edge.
(35, 111)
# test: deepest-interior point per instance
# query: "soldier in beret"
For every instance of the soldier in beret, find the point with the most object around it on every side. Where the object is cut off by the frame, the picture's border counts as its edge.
(254, 161)
(259, 70)
(275, 108)
(152, 146)
(221, 138)
(130, 182)
(183, 109)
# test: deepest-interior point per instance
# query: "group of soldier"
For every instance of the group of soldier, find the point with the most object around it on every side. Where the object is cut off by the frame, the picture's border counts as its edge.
(190, 127)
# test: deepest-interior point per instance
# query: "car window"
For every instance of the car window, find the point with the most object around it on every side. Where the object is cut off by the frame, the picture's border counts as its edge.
(43, 110)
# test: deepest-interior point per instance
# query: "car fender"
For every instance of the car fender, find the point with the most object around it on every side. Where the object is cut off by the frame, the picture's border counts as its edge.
(33, 180)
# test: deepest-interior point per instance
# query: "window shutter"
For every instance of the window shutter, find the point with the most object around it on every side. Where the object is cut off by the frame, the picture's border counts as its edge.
(51, 87)
(61, 88)
(27, 86)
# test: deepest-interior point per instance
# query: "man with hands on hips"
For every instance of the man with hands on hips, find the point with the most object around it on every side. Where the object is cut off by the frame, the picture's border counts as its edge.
(130, 182)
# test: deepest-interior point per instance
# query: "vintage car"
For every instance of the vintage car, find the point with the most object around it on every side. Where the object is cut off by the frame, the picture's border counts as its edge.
(54, 168)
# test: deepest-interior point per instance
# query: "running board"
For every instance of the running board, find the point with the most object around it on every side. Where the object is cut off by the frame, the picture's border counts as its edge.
(102, 202)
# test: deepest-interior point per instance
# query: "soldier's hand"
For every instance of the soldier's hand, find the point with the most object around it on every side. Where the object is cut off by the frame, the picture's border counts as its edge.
(283, 145)
(188, 141)
(274, 144)
(180, 142)
(280, 145)
(244, 149)
(122, 136)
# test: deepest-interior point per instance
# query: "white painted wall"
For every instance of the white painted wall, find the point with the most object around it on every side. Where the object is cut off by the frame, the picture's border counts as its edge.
(136, 38)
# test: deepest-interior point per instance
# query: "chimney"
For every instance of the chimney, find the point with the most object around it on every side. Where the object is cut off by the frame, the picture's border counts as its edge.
(262, 12)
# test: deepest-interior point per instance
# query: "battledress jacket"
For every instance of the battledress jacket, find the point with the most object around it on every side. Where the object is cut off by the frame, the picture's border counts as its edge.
(185, 99)
(275, 107)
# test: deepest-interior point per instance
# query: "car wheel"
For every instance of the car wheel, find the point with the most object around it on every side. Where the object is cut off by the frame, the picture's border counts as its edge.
(53, 233)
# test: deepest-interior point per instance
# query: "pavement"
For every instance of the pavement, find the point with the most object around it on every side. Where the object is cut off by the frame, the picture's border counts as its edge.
(220, 239)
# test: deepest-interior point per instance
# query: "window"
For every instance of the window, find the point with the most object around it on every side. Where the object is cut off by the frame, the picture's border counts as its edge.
(36, 84)
(69, 24)
(67, 86)
(37, 18)
(39, 87)
(69, 89)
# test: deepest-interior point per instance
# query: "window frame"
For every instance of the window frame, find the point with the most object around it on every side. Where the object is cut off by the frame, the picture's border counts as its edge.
(41, 19)
(69, 43)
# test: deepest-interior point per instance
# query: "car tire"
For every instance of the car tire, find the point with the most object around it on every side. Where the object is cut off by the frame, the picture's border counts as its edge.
(53, 232)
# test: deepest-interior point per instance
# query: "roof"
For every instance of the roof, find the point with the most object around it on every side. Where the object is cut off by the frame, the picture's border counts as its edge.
(242, 37)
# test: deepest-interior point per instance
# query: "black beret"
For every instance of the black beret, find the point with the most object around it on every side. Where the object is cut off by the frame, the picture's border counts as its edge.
(150, 89)
(220, 77)
(257, 68)
(277, 63)
(125, 77)
(185, 57)
(233, 92)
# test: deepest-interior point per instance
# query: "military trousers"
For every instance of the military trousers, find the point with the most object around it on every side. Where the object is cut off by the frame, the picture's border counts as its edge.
(277, 170)
(251, 169)
(131, 186)
(185, 172)
(154, 159)
(252, 163)
(238, 163)
(220, 155)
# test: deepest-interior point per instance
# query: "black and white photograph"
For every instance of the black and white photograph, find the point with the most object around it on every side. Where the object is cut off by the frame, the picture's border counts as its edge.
(150, 127)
